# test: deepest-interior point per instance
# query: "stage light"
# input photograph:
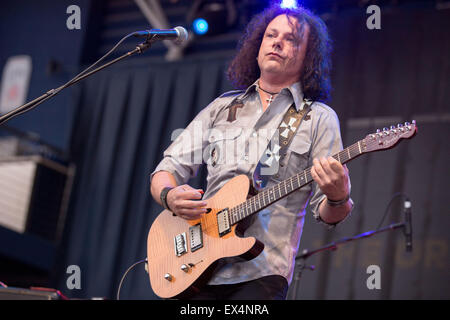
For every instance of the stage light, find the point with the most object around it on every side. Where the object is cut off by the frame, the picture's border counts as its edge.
(289, 4)
(212, 17)
(200, 26)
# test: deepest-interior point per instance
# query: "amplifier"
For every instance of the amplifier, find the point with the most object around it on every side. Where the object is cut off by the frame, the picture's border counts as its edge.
(34, 192)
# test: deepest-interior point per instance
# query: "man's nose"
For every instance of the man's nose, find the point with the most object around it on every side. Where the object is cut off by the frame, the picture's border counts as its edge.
(276, 43)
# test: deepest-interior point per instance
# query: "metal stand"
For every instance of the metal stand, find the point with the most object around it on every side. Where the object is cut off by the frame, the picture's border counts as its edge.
(301, 259)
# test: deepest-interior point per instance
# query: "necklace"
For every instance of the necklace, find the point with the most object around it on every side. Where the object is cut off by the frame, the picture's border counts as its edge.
(270, 99)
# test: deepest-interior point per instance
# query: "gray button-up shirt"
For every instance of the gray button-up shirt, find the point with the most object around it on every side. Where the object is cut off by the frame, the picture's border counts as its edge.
(234, 148)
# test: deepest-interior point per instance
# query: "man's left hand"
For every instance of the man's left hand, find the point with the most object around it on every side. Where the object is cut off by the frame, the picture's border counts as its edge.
(331, 177)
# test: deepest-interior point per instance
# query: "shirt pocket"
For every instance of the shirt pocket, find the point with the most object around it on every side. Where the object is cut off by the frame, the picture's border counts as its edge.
(299, 152)
(224, 148)
(298, 160)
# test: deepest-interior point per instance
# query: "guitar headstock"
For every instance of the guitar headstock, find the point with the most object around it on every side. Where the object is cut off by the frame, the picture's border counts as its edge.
(389, 137)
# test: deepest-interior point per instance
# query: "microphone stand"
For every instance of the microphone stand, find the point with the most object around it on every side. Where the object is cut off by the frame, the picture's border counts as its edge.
(301, 259)
(140, 48)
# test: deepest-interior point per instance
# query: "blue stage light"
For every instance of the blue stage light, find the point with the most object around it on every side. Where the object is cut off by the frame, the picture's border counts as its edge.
(200, 26)
(289, 4)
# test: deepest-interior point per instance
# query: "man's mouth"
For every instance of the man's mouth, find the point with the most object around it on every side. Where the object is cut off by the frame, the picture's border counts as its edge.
(274, 54)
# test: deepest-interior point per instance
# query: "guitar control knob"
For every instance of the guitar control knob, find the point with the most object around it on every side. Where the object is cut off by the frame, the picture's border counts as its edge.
(185, 268)
(168, 277)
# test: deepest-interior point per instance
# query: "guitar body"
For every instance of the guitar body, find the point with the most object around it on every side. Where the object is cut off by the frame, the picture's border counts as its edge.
(164, 265)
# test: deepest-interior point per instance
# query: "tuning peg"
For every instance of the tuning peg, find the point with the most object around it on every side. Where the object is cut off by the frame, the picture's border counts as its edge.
(392, 127)
(385, 129)
(414, 122)
(407, 123)
(378, 130)
(399, 125)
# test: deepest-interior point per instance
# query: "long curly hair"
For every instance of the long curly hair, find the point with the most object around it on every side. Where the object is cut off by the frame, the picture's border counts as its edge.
(315, 74)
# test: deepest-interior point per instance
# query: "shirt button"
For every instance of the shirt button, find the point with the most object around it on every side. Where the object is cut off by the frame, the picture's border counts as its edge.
(254, 134)
(245, 158)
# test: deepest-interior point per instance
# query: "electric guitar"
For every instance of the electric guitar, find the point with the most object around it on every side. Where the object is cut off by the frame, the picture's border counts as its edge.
(182, 254)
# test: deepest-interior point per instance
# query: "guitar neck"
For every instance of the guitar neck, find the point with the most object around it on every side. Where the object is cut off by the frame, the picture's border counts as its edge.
(270, 195)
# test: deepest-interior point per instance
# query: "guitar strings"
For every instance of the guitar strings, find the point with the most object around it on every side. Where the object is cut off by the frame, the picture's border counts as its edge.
(264, 195)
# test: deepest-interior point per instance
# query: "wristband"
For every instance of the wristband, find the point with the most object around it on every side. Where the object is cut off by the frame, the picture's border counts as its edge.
(163, 197)
(332, 203)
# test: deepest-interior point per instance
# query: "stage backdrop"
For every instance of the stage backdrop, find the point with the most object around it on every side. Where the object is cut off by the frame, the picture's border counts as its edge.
(126, 116)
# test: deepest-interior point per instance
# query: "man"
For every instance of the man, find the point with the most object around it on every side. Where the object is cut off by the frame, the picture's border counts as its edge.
(283, 59)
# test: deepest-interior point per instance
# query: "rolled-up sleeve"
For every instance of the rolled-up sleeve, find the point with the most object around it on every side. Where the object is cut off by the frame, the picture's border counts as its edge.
(326, 142)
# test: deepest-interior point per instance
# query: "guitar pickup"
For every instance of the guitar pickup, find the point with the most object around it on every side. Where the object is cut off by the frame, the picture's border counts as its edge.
(223, 222)
(180, 244)
(196, 237)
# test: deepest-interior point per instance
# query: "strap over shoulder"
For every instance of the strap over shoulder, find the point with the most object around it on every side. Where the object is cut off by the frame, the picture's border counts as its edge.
(268, 165)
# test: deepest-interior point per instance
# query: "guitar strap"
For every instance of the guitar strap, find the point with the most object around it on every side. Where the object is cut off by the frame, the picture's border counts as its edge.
(276, 149)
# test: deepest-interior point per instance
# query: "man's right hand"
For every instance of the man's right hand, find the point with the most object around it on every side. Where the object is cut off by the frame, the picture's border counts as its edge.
(185, 202)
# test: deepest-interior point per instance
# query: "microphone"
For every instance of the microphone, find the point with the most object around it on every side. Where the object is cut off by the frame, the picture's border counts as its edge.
(178, 34)
(408, 225)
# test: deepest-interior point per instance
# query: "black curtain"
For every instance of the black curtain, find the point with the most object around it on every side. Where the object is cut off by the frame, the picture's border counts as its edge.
(126, 116)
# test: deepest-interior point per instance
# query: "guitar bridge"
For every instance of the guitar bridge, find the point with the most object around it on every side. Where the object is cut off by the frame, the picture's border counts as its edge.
(223, 222)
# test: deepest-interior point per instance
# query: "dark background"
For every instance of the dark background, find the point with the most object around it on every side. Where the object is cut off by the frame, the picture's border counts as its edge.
(115, 126)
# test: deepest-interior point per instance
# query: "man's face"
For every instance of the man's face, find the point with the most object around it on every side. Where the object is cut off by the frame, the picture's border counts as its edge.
(282, 51)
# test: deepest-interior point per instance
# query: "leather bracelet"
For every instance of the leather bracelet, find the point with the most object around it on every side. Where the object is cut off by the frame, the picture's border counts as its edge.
(332, 203)
(163, 197)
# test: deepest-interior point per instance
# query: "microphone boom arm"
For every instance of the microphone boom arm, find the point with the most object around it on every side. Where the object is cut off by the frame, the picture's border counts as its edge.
(140, 48)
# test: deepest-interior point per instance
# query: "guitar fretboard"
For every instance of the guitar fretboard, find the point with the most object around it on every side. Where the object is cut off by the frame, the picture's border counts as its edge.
(270, 195)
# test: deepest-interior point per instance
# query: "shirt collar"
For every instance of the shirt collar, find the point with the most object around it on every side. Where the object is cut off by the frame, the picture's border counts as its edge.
(294, 90)
(252, 88)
